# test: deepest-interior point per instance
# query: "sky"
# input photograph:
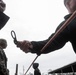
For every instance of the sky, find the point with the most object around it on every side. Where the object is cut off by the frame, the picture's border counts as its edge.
(34, 20)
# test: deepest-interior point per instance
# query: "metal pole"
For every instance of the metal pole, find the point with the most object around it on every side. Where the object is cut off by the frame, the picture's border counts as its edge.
(16, 73)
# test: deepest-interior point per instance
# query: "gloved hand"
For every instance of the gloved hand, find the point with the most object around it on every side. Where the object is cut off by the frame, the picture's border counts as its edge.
(24, 45)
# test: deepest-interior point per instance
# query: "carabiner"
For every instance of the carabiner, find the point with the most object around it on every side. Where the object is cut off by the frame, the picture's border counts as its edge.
(13, 34)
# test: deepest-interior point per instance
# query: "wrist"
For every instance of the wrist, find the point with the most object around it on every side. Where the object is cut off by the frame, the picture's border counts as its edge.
(30, 47)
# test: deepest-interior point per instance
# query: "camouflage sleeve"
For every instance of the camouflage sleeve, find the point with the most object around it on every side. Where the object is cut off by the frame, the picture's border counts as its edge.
(3, 69)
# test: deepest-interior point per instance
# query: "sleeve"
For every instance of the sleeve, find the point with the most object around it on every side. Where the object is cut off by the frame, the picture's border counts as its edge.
(57, 43)
(3, 68)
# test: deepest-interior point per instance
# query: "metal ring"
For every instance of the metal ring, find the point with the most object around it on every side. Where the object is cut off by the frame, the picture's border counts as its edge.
(13, 34)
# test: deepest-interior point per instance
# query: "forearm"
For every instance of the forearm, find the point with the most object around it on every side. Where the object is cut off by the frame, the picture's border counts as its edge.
(57, 43)
(37, 46)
